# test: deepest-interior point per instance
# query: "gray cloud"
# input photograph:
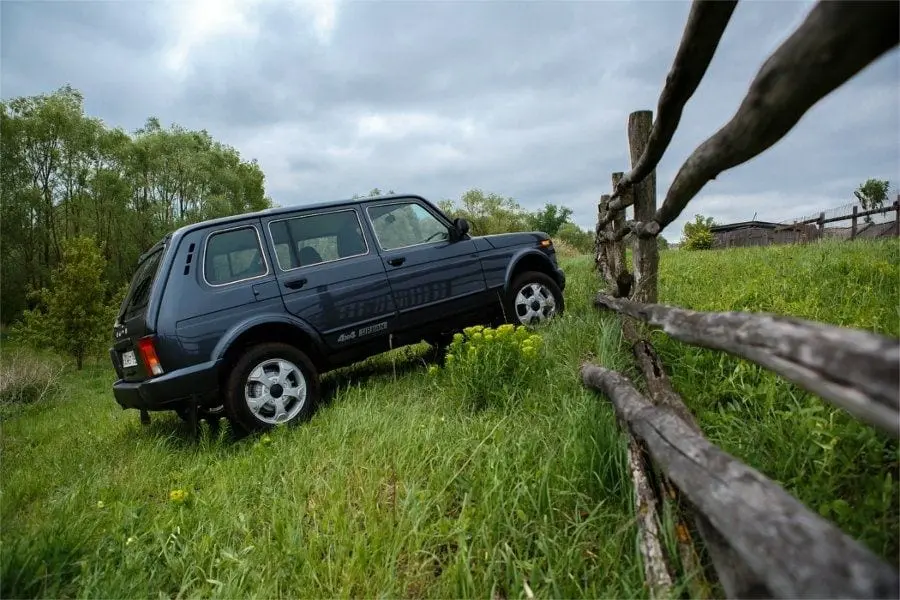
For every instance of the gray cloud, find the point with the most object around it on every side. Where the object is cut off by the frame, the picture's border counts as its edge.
(528, 99)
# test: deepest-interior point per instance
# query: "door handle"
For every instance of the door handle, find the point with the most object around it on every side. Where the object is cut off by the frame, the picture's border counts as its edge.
(295, 284)
(396, 262)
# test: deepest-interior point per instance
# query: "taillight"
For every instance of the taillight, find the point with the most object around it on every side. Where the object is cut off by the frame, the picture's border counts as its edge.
(148, 353)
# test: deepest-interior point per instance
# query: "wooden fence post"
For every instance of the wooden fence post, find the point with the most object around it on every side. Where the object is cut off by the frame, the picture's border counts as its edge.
(645, 255)
(821, 224)
(853, 224)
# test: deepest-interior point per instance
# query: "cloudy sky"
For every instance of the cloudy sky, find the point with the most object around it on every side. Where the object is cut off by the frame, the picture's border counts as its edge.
(528, 99)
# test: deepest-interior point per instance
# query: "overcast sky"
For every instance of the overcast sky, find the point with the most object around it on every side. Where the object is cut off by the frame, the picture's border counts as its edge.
(526, 99)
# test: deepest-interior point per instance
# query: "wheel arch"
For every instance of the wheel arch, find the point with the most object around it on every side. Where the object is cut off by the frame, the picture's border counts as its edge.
(528, 260)
(270, 329)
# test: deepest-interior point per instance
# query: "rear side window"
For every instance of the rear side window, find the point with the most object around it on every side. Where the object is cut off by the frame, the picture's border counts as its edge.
(313, 239)
(139, 291)
(233, 255)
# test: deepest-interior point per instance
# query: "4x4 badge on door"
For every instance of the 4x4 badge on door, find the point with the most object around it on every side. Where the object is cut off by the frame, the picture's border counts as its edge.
(368, 330)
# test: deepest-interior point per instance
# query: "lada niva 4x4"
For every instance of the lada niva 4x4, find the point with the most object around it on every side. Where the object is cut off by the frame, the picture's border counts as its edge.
(240, 316)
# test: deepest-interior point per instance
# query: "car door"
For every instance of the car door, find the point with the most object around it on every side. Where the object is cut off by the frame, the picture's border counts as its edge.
(329, 276)
(432, 276)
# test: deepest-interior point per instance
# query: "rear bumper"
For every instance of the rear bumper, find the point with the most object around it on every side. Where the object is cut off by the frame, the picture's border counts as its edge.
(167, 391)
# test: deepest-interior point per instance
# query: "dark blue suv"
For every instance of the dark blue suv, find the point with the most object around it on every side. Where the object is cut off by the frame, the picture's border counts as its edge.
(239, 316)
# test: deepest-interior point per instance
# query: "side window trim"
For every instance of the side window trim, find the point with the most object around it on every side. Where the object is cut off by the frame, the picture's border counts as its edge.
(260, 245)
(413, 201)
(293, 249)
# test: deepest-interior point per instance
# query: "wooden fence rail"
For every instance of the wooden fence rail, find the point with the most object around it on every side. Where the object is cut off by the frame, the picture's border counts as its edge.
(762, 541)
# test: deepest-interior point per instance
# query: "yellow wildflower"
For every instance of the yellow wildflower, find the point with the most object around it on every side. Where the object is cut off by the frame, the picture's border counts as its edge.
(178, 496)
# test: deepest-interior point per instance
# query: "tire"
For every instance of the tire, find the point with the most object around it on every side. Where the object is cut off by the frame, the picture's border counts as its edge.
(548, 301)
(269, 372)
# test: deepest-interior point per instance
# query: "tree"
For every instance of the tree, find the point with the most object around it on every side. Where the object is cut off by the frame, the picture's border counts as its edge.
(872, 195)
(65, 174)
(487, 213)
(574, 236)
(71, 316)
(549, 219)
(697, 234)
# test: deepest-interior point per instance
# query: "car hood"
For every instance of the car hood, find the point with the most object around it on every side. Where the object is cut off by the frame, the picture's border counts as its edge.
(504, 240)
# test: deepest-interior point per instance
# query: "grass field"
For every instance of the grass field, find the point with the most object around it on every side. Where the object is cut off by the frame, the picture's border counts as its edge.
(399, 488)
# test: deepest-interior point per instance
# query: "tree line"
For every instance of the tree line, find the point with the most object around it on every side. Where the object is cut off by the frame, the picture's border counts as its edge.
(65, 175)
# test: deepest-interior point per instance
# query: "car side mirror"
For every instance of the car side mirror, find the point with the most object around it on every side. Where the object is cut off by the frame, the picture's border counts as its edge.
(461, 226)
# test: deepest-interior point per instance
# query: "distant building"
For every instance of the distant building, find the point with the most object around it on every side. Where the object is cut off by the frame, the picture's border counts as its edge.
(745, 233)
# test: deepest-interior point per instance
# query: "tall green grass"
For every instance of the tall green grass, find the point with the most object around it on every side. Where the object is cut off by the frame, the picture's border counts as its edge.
(392, 489)
(839, 467)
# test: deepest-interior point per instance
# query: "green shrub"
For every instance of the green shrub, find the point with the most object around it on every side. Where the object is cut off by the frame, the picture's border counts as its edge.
(71, 317)
(488, 367)
(697, 234)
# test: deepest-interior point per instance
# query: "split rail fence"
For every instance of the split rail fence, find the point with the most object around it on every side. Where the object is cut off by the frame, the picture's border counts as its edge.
(761, 541)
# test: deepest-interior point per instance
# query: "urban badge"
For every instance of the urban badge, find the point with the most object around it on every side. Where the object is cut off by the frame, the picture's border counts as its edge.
(369, 330)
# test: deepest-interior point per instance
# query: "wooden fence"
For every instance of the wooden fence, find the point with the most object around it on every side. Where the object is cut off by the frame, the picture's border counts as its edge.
(761, 541)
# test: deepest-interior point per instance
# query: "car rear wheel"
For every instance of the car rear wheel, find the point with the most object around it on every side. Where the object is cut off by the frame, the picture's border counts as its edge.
(271, 384)
(533, 299)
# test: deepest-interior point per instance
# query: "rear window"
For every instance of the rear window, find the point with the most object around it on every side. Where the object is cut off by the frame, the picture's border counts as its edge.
(139, 292)
(233, 255)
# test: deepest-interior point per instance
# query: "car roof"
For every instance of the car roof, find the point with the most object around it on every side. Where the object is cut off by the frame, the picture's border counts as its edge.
(287, 209)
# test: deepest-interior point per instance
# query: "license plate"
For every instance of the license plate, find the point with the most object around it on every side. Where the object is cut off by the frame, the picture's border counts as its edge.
(128, 359)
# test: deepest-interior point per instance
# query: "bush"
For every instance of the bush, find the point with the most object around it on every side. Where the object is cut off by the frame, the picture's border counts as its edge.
(71, 316)
(576, 237)
(697, 234)
(26, 378)
(489, 367)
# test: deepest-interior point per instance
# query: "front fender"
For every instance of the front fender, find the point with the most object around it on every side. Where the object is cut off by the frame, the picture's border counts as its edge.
(266, 319)
(538, 262)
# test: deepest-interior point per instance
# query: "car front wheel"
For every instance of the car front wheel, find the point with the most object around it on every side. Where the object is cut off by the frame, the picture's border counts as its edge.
(532, 299)
(271, 384)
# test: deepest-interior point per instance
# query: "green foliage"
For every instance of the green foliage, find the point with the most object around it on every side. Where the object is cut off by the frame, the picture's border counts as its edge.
(697, 235)
(490, 367)
(662, 243)
(872, 195)
(487, 213)
(825, 457)
(574, 236)
(549, 219)
(71, 317)
(490, 213)
(65, 174)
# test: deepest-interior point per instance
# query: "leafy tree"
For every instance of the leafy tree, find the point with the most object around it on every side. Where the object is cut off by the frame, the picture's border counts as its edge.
(549, 219)
(697, 234)
(578, 238)
(65, 174)
(487, 213)
(872, 195)
(71, 316)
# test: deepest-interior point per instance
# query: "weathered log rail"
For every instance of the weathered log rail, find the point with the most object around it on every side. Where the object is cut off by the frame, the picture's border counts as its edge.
(762, 541)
